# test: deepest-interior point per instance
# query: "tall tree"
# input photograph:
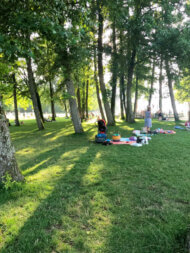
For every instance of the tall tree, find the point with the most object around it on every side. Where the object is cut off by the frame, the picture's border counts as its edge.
(100, 66)
(114, 70)
(170, 86)
(97, 85)
(8, 162)
(32, 88)
(73, 106)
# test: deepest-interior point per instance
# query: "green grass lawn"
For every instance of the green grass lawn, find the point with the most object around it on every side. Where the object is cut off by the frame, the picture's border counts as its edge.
(85, 197)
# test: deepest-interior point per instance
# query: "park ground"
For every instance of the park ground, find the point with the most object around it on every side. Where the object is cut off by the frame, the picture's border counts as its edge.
(85, 197)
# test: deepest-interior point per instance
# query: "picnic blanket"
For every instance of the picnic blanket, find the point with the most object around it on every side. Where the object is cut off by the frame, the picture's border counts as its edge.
(179, 127)
(162, 131)
(122, 142)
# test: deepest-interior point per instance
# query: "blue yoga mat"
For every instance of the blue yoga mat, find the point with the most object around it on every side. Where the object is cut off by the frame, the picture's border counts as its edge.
(124, 139)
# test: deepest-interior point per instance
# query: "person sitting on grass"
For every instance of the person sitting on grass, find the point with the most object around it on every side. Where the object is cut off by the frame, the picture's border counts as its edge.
(161, 116)
(187, 125)
(148, 119)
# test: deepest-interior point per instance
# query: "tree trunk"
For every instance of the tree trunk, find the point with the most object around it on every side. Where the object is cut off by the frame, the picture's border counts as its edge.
(32, 89)
(87, 84)
(152, 84)
(83, 101)
(121, 81)
(79, 102)
(100, 69)
(160, 86)
(66, 110)
(130, 116)
(39, 105)
(73, 107)
(122, 96)
(97, 86)
(52, 101)
(136, 96)
(17, 123)
(114, 71)
(8, 164)
(171, 91)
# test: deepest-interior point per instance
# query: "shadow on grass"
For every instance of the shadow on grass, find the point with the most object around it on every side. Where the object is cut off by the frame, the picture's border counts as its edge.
(39, 232)
(132, 187)
(144, 218)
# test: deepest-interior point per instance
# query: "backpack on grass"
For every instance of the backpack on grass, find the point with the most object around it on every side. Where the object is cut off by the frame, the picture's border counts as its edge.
(100, 138)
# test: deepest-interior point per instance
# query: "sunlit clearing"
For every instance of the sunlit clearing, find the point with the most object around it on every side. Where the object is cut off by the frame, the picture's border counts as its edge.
(127, 128)
(93, 175)
(49, 133)
(26, 151)
(46, 174)
(34, 167)
(59, 134)
(74, 154)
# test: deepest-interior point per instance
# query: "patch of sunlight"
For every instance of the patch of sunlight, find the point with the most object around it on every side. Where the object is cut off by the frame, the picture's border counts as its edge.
(47, 134)
(101, 220)
(60, 134)
(127, 128)
(74, 154)
(35, 167)
(46, 174)
(69, 167)
(93, 173)
(15, 214)
(118, 120)
(26, 151)
(98, 155)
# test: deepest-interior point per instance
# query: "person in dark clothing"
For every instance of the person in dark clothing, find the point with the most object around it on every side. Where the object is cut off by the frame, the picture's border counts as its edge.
(161, 116)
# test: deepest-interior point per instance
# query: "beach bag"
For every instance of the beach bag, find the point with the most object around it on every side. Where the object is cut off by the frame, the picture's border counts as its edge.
(100, 138)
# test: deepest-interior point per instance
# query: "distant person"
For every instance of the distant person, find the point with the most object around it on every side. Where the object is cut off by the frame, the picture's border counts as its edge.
(148, 119)
(187, 125)
(161, 116)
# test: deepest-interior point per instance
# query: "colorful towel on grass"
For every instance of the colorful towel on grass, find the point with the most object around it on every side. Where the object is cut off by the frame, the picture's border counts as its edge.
(162, 131)
(179, 127)
(123, 142)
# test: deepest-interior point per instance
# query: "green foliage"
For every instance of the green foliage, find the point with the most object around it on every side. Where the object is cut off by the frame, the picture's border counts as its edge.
(183, 89)
(8, 183)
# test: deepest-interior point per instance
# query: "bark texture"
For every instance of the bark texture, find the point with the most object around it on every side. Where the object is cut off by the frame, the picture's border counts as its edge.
(8, 162)
(39, 105)
(73, 107)
(122, 61)
(130, 116)
(170, 86)
(32, 89)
